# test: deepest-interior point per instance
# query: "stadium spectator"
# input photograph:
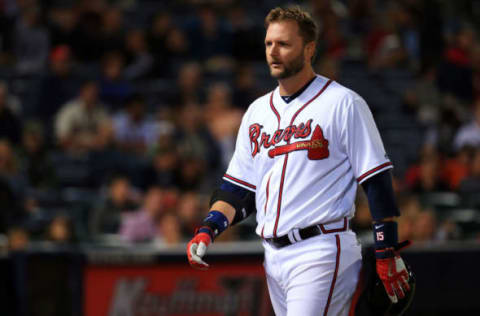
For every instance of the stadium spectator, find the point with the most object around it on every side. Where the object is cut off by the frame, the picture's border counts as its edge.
(411, 207)
(431, 23)
(13, 189)
(198, 150)
(156, 38)
(134, 131)
(61, 230)
(10, 171)
(169, 226)
(83, 124)
(114, 88)
(6, 38)
(140, 61)
(362, 15)
(469, 133)
(448, 230)
(164, 168)
(471, 183)
(10, 123)
(405, 227)
(476, 71)
(178, 50)
(87, 46)
(36, 219)
(62, 23)
(425, 227)
(247, 36)
(192, 173)
(33, 157)
(31, 42)
(455, 169)
(455, 72)
(407, 17)
(188, 86)
(441, 135)
(168, 45)
(384, 43)
(192, 46)
(427, 175)
(11, 101)
(245, 89)
(210, 37)
(143, 224)
(113, 31)
(222, 119)
(189, 212)
(120, 198)
(332, 38)
(58, 86)
(425, 99)
(18, 239)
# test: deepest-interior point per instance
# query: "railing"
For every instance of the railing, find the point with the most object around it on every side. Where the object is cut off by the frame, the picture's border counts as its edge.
(103, 280)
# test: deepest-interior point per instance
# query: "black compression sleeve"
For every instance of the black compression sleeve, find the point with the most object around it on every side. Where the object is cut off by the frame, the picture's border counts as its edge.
(244, 204)
(380, 196)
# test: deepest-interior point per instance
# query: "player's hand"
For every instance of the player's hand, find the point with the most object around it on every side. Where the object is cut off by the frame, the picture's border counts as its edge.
(196, 249)
(392, 271)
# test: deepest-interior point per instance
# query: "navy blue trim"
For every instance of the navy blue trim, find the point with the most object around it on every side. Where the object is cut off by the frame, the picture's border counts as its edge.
(207, 230)
(217, 221)
(385, 234)
(290, 98)
(381, 198)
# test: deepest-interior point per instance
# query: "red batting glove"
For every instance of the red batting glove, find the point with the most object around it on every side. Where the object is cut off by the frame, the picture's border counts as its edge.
(196, 249)
(392, 272)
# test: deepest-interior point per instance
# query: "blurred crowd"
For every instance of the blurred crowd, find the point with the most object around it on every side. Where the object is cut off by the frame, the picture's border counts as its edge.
(118, 118)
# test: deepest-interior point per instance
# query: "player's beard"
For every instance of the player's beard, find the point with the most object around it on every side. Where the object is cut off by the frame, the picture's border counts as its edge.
(291, 68)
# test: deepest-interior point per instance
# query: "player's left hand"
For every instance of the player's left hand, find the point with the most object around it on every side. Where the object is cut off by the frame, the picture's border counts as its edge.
(196, 249)
(392, 271)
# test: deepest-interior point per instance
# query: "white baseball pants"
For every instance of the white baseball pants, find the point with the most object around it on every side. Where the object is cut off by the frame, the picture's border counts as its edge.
(316, 276)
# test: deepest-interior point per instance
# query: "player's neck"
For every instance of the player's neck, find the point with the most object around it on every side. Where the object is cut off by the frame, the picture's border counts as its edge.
(290, 85)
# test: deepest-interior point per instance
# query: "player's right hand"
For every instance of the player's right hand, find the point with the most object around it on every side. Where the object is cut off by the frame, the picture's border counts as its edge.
(196, 249)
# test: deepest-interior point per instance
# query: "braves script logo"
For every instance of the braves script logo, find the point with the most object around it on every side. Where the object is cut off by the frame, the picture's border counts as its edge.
(317, 146)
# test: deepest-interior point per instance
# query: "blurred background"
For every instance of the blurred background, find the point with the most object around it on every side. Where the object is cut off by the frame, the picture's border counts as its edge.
(118, 119)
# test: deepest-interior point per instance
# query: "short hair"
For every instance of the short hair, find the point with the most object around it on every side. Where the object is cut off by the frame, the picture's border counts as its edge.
(307, 26)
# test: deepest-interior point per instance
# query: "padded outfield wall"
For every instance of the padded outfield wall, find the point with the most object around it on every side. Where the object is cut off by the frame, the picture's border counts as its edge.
(100, 281)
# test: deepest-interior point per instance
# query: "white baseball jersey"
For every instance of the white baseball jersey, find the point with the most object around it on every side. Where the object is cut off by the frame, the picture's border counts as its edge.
(304, 159)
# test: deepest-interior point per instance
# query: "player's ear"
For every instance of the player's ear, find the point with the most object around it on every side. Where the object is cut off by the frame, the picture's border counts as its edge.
(310, 50)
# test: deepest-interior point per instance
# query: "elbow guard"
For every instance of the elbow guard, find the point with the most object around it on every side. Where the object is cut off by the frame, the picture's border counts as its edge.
(244, 206)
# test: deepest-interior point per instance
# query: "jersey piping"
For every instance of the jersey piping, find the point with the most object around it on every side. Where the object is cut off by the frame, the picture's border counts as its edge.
(334, 279)
(279, 204)
(266, 202)
(274, 109)
(239, 182)
(374, 171)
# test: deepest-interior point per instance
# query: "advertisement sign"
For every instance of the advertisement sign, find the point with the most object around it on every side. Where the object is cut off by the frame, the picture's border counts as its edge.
(176, 289)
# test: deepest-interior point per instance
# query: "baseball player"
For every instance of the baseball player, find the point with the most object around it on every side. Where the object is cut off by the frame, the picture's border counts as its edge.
(300, 154)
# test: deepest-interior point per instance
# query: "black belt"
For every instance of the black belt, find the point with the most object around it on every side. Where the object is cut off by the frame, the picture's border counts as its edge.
(305, 233)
